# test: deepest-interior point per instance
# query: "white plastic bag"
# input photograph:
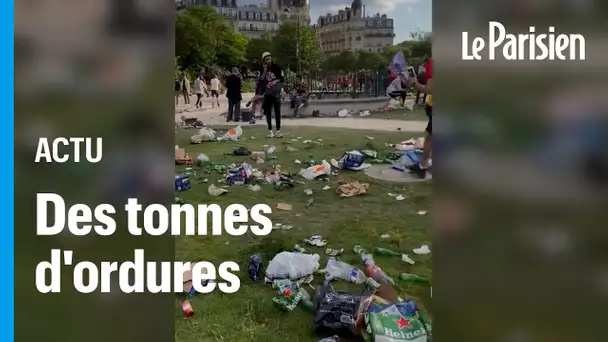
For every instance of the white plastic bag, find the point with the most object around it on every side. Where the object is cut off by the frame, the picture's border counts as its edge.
(289, 265)
(409, 104)
(202, 158)
(393, 103)
(316, 170)
(206, 134)
(233, 133)
(342, 113)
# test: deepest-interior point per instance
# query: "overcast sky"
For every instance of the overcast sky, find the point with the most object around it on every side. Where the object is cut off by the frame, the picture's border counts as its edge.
(409, 15)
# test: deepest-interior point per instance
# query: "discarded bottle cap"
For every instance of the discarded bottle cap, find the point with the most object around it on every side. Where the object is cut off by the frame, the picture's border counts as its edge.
(187, 308)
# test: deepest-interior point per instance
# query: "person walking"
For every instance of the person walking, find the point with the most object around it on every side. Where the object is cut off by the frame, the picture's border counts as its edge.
(270, 84)
(185, 88)
(234, 95)
(199, 85)
(215, 90)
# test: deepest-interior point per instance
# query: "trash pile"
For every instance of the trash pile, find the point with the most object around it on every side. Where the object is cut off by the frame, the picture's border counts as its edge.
(376, 313)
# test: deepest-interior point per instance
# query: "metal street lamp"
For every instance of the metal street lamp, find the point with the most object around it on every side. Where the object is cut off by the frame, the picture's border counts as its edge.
(288, 10)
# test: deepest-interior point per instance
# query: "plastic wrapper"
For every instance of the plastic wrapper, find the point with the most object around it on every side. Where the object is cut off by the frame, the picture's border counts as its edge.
(316, 171)
(233, 134)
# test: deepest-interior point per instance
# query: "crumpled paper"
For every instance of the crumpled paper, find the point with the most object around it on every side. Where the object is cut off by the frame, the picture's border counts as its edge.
(352, 189)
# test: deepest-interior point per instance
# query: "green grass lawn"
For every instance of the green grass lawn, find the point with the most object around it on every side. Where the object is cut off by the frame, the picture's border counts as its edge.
(250, 314)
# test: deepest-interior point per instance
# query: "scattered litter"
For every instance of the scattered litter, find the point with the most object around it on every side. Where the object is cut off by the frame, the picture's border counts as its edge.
(280, 226)
(310, 202)
(352, 160)
(421, 212)
(424, 249)
(254, 187)
(407, 259)
(291, 149)
(239, 175)
(284, 206)
(352, 189)
(216, 191)
(182, 183)
(316, 240)
(344, 113)
(370, 153)
(233, 134)
(271, 150)
(385, 236)
(298, 249)
(369, 138)
(400, 198)
(333, 252)
(255, 267)
(297, 161)
(241, 151)
(289, 265)
(392, 194)
(327, 187)
(308, 192)
(316, 170)
(365, 113)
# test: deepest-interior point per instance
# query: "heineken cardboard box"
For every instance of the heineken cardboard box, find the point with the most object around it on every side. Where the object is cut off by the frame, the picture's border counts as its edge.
(393, 328)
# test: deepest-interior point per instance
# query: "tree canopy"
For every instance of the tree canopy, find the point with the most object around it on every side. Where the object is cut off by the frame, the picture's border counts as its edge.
(204, 39)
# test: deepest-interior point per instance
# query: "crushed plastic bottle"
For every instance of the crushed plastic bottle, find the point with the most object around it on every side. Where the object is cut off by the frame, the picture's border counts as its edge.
(373, 271)
(341, 270)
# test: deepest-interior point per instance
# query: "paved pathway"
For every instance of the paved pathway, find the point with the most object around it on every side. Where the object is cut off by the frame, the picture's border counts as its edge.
(212, 116)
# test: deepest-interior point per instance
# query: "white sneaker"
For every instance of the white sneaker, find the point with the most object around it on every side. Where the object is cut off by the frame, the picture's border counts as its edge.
(270, 134)
(279, 134)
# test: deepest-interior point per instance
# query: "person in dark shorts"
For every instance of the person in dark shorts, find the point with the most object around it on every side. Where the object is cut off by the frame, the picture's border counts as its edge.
(421, 168)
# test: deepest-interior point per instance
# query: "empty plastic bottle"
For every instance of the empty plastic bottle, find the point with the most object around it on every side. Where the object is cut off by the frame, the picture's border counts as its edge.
(341, 270)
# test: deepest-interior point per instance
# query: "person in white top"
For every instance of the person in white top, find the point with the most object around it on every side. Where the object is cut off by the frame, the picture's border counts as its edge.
(215, 91)
(199, 87)
(397, 87)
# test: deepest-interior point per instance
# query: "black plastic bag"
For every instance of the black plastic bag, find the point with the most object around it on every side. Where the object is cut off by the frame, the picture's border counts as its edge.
(337, 312)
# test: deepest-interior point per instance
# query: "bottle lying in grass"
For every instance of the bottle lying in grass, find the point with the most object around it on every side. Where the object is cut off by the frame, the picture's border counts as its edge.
(413, 278)
(386, 251)
(373, 271)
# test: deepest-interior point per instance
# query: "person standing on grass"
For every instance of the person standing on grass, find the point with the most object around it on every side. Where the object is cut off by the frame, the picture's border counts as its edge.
(199, 85)
(270, 84)
(421, 168)
(215, 91)
(233, 94)
(422, 80)
(185, 87)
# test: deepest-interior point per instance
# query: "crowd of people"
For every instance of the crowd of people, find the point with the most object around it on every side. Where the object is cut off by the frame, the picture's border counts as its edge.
(270, 88)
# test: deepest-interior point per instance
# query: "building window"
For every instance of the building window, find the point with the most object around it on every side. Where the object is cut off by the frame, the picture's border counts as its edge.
(251, 27)
(257, 16)
(389, 23)
(250, 15)
(271, 16)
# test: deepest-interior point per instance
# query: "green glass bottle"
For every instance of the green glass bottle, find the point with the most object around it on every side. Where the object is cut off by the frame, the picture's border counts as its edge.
(412, 278)
(386, 251)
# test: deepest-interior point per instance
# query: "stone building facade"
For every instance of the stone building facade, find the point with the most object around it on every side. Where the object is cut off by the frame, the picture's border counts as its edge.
(351, 29)
(256, 20)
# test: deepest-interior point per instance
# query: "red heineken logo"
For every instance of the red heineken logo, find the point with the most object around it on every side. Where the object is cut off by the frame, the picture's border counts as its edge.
(287, 293)
(403, 322)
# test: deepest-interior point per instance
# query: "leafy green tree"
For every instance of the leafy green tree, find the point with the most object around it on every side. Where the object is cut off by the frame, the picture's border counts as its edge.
(370, 60)
(284, 47)
(204, 38)
(255, 48)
